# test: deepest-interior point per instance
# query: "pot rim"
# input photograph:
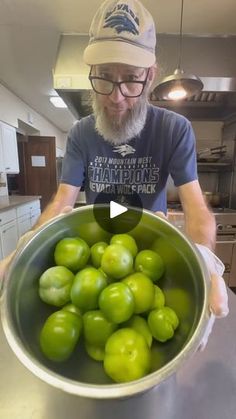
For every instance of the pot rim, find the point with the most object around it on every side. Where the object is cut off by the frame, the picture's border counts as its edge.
(105, 391)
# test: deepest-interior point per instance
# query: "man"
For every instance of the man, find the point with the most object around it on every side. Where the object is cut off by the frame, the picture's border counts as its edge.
(126, 141)
(128, 145)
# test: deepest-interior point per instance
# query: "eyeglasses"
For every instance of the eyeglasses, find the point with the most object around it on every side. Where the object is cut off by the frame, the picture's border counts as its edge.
(127, 88)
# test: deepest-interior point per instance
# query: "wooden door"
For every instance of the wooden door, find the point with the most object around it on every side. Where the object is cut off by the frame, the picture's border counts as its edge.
(38, 176)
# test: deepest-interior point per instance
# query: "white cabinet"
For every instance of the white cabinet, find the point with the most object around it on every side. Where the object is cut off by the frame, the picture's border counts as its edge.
(14, 223)
(9, 238)
(2, 168)
(8, 149)
(23, 224)
(1, 254)
(8, 232)
(34, 216)
(27, 215)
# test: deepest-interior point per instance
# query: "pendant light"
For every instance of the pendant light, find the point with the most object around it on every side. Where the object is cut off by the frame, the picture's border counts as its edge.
(178, 85)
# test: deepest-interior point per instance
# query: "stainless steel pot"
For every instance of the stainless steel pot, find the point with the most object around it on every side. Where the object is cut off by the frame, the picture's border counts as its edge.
(23, 313)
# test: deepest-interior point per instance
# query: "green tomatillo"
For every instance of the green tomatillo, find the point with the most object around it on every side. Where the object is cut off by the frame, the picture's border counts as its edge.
(162, 323)
(60, 334)
(127, 356)
(55, 284)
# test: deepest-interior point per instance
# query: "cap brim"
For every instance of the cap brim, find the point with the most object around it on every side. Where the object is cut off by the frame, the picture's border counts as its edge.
(103, 52)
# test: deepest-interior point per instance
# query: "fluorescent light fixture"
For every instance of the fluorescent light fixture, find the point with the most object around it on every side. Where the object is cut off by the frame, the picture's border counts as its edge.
(58, 102)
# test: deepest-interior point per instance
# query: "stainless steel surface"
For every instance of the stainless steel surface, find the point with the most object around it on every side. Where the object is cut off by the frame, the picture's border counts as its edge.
(216, 102)
(226, 244)
(204, 388)
(23, 313)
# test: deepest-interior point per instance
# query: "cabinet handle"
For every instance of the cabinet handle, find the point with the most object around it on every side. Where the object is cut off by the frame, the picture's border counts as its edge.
(7, 168)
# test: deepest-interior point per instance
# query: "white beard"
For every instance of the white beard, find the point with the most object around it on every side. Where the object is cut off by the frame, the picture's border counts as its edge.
(121, 131)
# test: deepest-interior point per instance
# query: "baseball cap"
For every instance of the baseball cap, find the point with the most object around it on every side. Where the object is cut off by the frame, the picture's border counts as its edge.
(122, 32)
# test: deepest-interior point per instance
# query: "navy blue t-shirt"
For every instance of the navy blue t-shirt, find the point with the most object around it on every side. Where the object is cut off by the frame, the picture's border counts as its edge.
(165, 146)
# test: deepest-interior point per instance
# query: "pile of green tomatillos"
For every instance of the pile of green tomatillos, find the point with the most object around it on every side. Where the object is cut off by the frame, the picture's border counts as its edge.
(107, 294)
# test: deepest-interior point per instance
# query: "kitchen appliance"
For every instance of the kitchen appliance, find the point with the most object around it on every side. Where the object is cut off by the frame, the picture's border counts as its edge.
(226, 243)
(225, 238)
(23, 313)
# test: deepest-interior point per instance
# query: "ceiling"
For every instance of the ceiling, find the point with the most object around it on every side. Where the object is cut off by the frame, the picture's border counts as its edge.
(30, 32)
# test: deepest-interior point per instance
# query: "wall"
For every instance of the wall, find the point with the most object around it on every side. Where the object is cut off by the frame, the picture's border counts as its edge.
(17, 113)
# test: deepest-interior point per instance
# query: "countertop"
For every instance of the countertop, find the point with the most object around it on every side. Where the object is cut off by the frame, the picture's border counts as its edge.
(8, 202)
(204, 388)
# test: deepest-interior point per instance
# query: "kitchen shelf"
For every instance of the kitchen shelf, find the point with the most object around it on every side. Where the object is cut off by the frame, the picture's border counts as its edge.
(214, 166)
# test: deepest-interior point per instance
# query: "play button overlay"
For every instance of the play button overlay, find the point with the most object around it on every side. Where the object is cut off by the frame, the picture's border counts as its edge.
(117, 212)
(116, 209)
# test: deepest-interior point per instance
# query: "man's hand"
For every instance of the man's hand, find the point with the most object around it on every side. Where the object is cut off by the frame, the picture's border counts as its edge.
(218, 299)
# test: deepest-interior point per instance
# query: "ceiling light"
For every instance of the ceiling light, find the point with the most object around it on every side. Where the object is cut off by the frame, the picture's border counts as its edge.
(58, 102)
(178, 85)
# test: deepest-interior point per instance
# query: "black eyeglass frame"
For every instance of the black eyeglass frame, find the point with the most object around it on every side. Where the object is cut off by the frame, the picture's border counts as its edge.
(118, 83)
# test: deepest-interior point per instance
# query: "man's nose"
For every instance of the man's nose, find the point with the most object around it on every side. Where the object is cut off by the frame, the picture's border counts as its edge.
(116, 95)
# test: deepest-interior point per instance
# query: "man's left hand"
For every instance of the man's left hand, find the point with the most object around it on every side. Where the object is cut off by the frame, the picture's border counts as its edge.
(218, 298)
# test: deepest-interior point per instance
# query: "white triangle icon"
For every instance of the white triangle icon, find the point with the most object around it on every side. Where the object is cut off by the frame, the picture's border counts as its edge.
(116, 209)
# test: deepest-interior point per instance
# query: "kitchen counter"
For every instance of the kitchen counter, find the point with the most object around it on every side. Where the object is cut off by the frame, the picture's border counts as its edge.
(7, 202)
(204, 388)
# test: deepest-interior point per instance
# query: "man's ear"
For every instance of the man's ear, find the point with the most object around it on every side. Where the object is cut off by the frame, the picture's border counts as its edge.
(153, 72)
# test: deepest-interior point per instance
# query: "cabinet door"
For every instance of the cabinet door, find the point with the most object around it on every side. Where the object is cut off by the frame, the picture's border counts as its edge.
(9, 238)
(2, 168)
(1, 255)
(9, 149)
(23, 224)
(35, 214)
